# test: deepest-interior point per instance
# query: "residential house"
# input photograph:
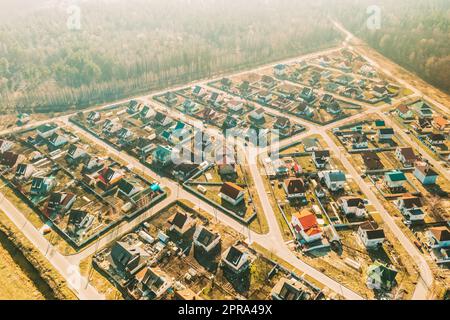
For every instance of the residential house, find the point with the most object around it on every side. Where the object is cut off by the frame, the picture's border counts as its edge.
(23, 118)
(439, 237)
(268, 82)
(162, 119)
(59, 203)
(232, 193)
(441, 124)
(360, 141)
(283, 124)
(93, 117)
(152, 283)
(257, 115)
(280, 167)
(41, 186)
(162, 155)
(395, 179)
(404, 112)
(279, 70)
(134, 106)
(304, 109)
(109, 177)
(423, 126)
(206, 239)
(424, 110)
(76, 154)
(265, 96)
(127, 188)
(353, 206)
(5, 145)
(235, 106)
(321, 158)
(307, 94)
(46, 130)
(231, 121)
(144, 146)
(93, 164)
(57, 141)
(190, 107)
(306, 226)
(310, 144)
(295, 189)
(411, 208)
(289, 289)
(385, 134)
(425, 173)
(181, 223)
(344, 80)
(199, 92)
(127, 259)
(380, 92)
(147, 113)
(24, 171)
(370, 234)
(406, 156)
(435, 139)
(185, 170)
(380, 277)
(236, 260)
(334, 179)
(11, 159)
(170, 98)
(372, 161)
(79, 222)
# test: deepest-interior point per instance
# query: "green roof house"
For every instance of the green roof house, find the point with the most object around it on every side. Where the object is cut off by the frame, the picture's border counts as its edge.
(380, 277)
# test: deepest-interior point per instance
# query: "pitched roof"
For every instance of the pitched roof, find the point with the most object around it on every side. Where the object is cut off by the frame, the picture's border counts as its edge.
(353, 201)
(403, 108)
(205, 236)
(307, 219)
(411, 202)
(396, 176)
(372, 230)
(441, 233)
(179, 219)
(294, 185)
(408, 153)
(231, 190)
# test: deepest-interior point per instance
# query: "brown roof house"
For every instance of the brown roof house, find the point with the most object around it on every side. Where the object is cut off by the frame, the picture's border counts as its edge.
(181, 223)
(406, 156)
(294, 188)
(439, 237)
(232, 193)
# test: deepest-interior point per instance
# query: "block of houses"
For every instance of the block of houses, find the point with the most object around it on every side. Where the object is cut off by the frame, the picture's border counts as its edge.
(11, 159)
(41, 186)
(439, 237)
(381, 277)
(279, 70)
(109, 177)
(59, 203)
(294, 188)
(441, 124)
(385, 134)
(404, 112)
(425, 173)
(190, 107)
(411, 208)
(257, 115)
(205, 239)
(306, 226)
(289, 289)
(360, 141)
(370, 234)
(46, 130)
(304, 109)
(232, 193)
(321, 158)
(181, 223)
(235, 260)
(307, 94)
(395, 179)
(334, 179)
(435, 139)
(152, 283)
(406, 156)
(76, 154)
(162, 155)
(24, 171)
(372, 161)
(5, 145)
(353, 206)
